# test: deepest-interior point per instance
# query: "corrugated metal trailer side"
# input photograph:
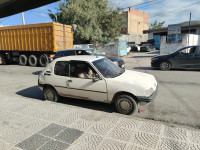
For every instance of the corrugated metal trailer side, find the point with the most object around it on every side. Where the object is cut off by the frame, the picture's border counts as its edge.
(34, 42)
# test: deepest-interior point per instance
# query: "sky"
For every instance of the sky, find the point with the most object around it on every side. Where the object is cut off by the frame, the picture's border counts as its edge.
(170, 11)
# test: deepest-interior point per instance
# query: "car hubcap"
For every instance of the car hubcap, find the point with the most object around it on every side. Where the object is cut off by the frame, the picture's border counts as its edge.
(165, 66)
(125, 105)
(49, 96)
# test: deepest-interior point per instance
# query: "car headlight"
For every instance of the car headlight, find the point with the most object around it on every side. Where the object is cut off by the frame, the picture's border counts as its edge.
(115, 62)
(154, 59)
(149, 92)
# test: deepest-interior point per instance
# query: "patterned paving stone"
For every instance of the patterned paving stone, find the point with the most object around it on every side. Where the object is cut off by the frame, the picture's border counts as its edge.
(145, 140)
(34, 112)
(195, 137)
(51, 130)
(69, 135)
(54, 145)
(109, 144)
(110, 119)
(33, 142)
(175, 133)
(135, 147)
(22, 122)
(14, 136)
(100, 128)
(89, 141)
(50, 116)
(67, 120)
(94, 116)
(195, 147)
(121, 134)
(129, 124)
(36, 126)
(77, 147)
(167, 144)
(151, 128)
(81, 124)
(9, 117)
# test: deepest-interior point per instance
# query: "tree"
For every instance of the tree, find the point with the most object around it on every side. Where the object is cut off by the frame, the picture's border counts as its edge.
(157, 25)
(96, 20)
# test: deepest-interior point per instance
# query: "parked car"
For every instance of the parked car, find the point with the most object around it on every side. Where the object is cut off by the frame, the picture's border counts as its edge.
(97, 79)
(186, 57)
(2, 59)
(71, 52)
(147, 48)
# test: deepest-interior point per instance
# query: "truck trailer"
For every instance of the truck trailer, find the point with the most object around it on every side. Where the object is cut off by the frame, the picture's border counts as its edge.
(34, 44)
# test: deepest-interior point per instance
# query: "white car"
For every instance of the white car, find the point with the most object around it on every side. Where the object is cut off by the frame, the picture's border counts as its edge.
(98, 79)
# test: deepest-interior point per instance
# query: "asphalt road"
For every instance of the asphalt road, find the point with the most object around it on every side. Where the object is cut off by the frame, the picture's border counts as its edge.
(177, 101)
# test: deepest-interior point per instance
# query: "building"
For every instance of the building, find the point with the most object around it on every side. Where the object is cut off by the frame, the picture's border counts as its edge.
(161, 36)
(135, 23)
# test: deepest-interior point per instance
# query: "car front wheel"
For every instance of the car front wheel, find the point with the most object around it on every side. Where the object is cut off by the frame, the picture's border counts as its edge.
(50, 94)
(125, 104)
(165, 65)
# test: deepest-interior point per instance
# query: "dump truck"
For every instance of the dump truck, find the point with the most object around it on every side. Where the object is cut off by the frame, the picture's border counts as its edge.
(34, 44)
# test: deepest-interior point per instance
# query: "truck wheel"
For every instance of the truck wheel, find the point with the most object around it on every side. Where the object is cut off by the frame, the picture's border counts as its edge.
(51, 95)
(165, 65)
(33, 61)
(23, 60)
(125, 104)
(43, 61)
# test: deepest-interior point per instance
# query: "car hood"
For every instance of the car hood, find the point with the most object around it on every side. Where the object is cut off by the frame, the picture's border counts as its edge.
(162, 56)
(138, 78)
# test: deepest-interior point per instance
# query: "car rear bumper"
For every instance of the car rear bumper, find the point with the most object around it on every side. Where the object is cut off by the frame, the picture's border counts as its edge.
(146, 100)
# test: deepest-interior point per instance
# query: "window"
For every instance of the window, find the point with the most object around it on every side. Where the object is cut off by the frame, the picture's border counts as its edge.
(174, 38)
(79, 69)
(61, 68)
(69, 53)
(189, 50)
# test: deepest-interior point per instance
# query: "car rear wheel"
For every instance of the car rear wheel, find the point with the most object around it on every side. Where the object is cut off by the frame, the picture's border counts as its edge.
(125, 104)
(43, 60)
(165, 65)
(51, 95)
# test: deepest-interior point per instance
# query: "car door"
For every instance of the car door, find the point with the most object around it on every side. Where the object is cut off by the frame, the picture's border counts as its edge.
(185, 58)
(60, 78)
(197, 57)
(84, 87)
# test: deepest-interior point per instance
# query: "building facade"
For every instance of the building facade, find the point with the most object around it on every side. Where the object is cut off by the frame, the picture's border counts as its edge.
(135, 23)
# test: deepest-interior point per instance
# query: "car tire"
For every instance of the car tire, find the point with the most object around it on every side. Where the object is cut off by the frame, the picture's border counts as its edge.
(165, 65)
(51, 95)
(43, 60)
(125, 104)
(33, 60)
(23, 60)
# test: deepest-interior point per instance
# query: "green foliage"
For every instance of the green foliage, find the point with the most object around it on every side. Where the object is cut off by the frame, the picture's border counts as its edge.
(96, 19)
(157, 25)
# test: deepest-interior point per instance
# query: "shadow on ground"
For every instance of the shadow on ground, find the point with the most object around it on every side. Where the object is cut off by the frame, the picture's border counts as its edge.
(36, 93)
(36, 73)
(144, 68)
(32, 92)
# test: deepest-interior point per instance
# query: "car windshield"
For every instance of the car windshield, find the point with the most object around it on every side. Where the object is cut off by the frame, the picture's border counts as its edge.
(145, 45)
(93, 52)
(107, 68)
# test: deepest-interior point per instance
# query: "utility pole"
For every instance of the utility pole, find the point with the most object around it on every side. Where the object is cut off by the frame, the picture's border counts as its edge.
(189, 30)
(23, 18)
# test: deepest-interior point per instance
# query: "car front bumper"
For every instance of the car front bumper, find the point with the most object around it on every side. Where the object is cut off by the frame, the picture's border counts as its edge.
(146, 100)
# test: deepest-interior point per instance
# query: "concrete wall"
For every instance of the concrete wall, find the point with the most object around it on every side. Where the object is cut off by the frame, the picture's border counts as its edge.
(187, 40)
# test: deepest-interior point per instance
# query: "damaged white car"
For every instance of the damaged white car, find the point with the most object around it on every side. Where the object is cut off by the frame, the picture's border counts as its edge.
(98, 79)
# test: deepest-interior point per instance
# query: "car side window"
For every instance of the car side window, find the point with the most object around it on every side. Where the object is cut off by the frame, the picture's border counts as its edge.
(189, 50)
(69, 53)
(80, 69)
(61, 68)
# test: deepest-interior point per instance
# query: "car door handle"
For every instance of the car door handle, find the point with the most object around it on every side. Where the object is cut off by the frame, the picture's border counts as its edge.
(69, 80)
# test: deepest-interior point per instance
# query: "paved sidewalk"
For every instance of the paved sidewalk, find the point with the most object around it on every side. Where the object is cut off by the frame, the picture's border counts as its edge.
(31, 124)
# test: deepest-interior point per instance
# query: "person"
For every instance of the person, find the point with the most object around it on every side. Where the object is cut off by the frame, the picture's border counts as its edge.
(192, 50)
(87, 73)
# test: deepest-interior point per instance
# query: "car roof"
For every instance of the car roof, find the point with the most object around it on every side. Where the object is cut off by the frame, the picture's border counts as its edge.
(75, 49)
(88, 58)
